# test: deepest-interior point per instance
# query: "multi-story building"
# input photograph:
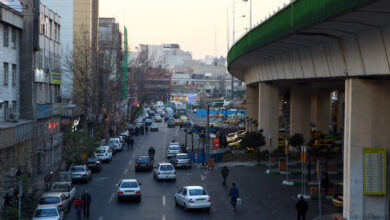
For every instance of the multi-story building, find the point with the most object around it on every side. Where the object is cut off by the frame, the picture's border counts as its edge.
(40, 84)
(15, 131)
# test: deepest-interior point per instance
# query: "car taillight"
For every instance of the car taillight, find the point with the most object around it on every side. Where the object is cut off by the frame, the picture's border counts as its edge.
(150, 164)
(174, 172)
(84, 174)
(158, 173)
(209, 199)
(177, 161)
(120, 193)
(138, 192)
(136, 164)
(191, 201)
(60, 206)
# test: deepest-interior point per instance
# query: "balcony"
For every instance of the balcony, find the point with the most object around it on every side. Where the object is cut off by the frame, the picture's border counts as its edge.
(12, 133)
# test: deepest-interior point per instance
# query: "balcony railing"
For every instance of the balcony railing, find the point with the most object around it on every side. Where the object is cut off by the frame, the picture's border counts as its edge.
(12, 133)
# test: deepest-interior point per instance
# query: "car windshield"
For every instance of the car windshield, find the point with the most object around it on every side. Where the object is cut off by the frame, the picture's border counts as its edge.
(46, 213)
(166, 167)
(197, 192)
(174, 148)
(78, 169)
(60, 187)
(49, 200)
(92, 159)
(143, 159)
(182, 157)
(113, 141)
(129, 185)
(100, 151)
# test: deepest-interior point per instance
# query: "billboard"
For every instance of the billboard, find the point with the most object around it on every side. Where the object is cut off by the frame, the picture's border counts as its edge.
(55, 78)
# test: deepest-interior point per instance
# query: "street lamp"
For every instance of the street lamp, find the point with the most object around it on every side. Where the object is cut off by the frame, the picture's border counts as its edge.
(250, 13)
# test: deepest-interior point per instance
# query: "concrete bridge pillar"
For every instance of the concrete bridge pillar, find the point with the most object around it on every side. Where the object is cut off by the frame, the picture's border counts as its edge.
(340, 111)
(323, 111)
(300, 111)
(313, 108)
(367, 120)
(269, 112)
(252, 102)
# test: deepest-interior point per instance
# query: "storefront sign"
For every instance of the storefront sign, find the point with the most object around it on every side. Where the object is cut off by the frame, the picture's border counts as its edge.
(374, 171)
(55, 78)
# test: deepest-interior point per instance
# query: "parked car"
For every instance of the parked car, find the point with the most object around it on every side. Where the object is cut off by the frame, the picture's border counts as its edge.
(143, 163)
(193, 197)
(48, 212)
(129, 189)
(164, 171)
(171, 124)
(81, 173)
(154, 127)
(65, 187)
(94, 164)
(117, 143)
(104, 153)
(173, 149)
(148, 122)
(181, 160)
(63, 202)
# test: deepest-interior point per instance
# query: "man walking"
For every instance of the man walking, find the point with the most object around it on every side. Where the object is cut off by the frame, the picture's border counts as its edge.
(225, 174)
(78, 204)
(87, 202)
(301, 208)
(234, 194)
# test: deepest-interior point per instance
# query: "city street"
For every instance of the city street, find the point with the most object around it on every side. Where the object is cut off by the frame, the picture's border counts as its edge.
(262, 195)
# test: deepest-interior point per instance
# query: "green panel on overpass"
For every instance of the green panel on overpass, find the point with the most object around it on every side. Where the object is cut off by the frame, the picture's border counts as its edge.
(297, 16)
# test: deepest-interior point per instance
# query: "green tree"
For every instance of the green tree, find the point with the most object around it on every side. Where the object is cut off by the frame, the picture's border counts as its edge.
(296, 140)
(253, 139)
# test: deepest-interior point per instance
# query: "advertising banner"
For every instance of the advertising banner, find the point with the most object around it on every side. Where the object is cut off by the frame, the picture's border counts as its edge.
(55, 78)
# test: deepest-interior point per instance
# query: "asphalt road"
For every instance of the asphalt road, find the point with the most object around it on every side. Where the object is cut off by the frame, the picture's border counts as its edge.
(157, 197)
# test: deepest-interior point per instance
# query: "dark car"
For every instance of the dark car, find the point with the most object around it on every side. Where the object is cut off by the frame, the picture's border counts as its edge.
(171, 124)
(143, 163)
(154, 127)
(186, 124)
(148, 122)
(94, 164)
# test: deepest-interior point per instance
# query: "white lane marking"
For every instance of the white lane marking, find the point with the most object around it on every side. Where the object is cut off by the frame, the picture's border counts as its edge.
(130, 162)
(163, 201)
(163, 217)
(101, 218)
(112, 197)
(125, 171)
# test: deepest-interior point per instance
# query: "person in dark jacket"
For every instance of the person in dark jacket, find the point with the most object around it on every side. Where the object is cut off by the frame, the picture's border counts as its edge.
(325, 183)
(234, 194)
(301, 208)
(225, 174)
(78, 204)
(87, 199)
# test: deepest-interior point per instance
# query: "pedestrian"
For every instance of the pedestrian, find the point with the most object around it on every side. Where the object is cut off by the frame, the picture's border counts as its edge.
(225, 174)
(325, 183)
(128, 140)
(7, 202)
(234, 194)
(301, 208)
(132, 142)
(87, 203)
(78, 205)
(146, 129)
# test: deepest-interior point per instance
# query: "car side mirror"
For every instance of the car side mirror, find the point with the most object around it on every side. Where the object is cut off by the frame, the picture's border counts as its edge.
(140, 184)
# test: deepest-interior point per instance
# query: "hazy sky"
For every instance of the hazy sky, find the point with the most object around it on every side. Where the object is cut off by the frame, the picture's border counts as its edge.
(191, 23)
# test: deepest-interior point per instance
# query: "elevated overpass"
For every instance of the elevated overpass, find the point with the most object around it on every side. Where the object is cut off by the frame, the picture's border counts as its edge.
(310, 49)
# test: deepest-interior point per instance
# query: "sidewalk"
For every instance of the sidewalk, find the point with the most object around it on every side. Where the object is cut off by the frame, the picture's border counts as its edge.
(263, 195)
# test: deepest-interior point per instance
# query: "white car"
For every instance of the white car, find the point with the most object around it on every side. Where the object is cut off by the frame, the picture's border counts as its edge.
(129, 189)
(48, 212)
(117, 142)
(173, 149)
(164, 171)
(193, 197)
(104, 153)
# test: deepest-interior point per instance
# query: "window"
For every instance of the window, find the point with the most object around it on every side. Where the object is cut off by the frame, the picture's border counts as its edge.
(6, 70)
(14, 74)
(13, 45)
(50, 29)
(59, 38)
(5, 104)
(42, 24)
(5, 36)
(55, 32)
(14, 108)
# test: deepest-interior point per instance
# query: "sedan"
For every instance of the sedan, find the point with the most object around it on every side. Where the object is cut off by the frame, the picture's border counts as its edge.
(59, 199)
(48, 212)
(171, 124)
(193, 197)
(154, 127)
(81, 173)
(129, 189)
(164, 171)
(94, 164)
(181, 160)
(148, 122)
(143, 163)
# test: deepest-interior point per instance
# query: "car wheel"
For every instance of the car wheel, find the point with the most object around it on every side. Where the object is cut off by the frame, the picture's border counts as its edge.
(207, 209)
(189, 167)
(176, 203)
(119, 199)
(86, 181)
(139, 199)
(90, 178)
(174, 180)
(185, 207)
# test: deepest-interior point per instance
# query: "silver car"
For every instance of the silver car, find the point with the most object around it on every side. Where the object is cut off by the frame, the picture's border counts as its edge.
(81, 173)
(181, 160)
(48, 212)
(64, 187)
(60, 199)
(173, 149)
